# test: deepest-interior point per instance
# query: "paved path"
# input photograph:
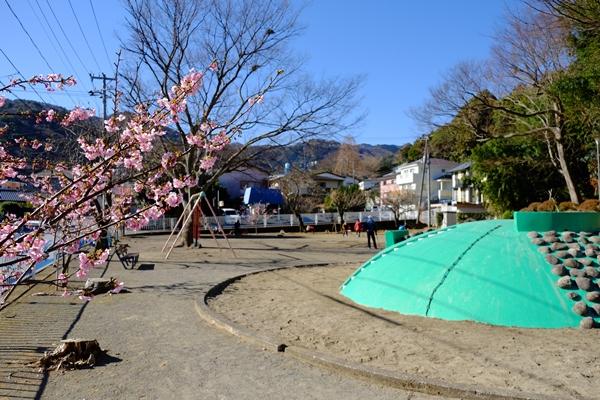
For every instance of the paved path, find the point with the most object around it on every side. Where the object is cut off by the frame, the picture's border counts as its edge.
(165, 351)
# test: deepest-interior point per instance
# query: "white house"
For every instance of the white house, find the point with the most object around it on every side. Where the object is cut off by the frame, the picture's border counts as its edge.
(462, 190)
(329, 180)
(466, 198)
(325, 180)
(444, 184)
(367, 184)
(409, 176)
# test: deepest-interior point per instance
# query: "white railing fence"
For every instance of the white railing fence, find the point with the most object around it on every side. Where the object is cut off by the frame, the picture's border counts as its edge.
(274, 220)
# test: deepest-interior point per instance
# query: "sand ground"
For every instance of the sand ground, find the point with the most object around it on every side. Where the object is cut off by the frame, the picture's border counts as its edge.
(161, 348)
(303, 307)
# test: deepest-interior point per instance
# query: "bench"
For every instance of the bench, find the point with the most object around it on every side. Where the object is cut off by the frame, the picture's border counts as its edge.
(129, 260)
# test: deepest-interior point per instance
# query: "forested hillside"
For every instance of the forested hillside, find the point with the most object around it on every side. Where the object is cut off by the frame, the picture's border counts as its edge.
(527, 117)
(20, 118)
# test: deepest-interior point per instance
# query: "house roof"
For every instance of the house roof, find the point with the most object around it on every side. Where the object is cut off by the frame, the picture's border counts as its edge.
(443, 175)
(434, 161)
(461, 167)
(329, 176)
(386, 176)
(12, 195)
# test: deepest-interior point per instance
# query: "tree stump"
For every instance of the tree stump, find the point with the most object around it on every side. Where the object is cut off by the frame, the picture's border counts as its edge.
(71, 354)
(94, 286)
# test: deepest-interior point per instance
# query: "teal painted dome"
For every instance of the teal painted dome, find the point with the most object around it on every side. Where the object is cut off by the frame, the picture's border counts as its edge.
(488, 272)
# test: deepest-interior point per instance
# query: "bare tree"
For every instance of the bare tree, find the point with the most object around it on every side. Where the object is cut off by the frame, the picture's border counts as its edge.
(400, 202)
(347, 159)
(301, 193)
(517, 85)
(584, 14)
(345, 198)
(254, 90)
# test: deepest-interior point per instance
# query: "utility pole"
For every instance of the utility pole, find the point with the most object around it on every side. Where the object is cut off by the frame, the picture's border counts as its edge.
(423, 165)
(104, 96)
(428, 186)
(102, 92)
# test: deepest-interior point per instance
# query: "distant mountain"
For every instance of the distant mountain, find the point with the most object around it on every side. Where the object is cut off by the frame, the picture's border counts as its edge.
(20, 117)
(315, 151)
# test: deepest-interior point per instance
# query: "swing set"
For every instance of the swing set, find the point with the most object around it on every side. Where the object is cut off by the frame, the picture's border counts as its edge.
(196, 213)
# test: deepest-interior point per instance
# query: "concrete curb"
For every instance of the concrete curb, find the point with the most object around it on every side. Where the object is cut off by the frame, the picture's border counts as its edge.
(399, 380)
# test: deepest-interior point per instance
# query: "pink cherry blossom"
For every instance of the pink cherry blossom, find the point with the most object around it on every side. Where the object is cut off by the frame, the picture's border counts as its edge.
(85, 264)
(78, 114)
(117, 288)
(178, 184)
(173, 199)
(168, 160)
(2, 101)
(50, 115)
(62, 279)
(208, 163)
(121, 164)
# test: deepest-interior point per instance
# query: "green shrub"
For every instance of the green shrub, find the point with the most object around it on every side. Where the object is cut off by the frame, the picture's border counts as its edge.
(507, 215)
(17, 208)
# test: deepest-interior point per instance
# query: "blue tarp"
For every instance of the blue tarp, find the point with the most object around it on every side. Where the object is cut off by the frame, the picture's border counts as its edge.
(264, 196)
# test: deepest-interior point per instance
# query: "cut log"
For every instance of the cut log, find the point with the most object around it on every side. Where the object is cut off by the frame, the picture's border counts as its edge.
(71, 354)
(94, 286)
(98, 285)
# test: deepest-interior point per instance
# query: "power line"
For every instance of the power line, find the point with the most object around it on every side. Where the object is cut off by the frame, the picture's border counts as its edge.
(39, 51)
(54, 36)
(83, 34)
(100, 33)
(51, 42)
(11, 91)
(62, 93)
(29, 36)
(44, 29)
(85, 68)
(23, 77)
(62, 49)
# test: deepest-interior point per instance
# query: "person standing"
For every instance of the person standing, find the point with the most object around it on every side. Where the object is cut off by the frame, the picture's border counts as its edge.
(357, 227)
(370, 228)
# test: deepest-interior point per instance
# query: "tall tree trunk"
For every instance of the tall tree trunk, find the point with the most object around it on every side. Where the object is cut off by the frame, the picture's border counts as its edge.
(564, 170)
(397, 218)
(188, 233)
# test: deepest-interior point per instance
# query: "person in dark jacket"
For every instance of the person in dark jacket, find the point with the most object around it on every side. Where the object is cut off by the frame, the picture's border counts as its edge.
(370, 228)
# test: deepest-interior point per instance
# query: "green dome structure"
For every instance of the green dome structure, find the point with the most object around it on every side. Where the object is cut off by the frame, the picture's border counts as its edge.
(491, 272)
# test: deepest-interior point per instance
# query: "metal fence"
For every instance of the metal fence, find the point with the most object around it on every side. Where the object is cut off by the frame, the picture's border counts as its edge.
(164, 225)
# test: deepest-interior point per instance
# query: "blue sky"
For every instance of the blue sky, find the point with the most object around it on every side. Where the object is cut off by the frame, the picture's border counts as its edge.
(401, 47)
